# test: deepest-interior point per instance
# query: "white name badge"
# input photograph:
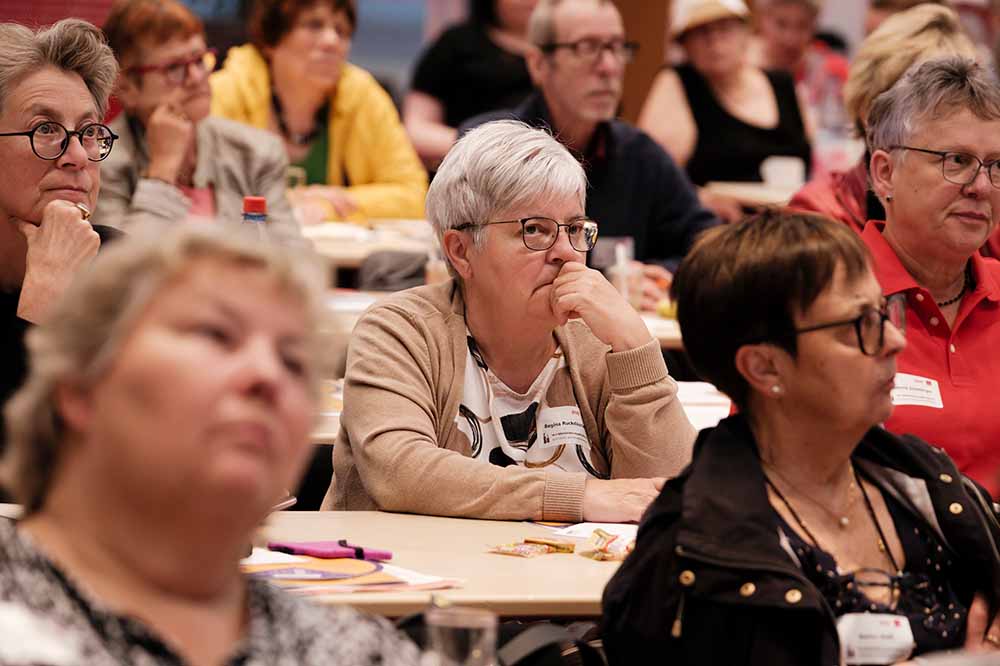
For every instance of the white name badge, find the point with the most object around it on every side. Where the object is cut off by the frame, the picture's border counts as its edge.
(916, 390)
(558, 426)
(874, 638)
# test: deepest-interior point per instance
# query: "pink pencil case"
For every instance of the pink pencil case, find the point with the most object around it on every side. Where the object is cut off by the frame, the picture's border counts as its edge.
(329, 550)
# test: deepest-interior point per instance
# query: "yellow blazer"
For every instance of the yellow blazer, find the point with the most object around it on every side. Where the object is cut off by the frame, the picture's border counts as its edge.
(368, 146)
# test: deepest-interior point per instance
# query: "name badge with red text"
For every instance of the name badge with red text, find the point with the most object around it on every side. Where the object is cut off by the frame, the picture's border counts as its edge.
(916, 390)
(874, 638)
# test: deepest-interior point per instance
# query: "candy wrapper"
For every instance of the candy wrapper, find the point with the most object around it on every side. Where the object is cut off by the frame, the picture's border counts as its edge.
(605, 546)
(534, 546)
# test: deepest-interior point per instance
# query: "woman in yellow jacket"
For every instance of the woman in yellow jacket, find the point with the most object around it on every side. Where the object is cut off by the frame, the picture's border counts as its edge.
(338, 124)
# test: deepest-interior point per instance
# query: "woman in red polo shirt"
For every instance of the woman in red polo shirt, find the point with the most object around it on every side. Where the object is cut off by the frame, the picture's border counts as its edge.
(935, 166)
(926, 31)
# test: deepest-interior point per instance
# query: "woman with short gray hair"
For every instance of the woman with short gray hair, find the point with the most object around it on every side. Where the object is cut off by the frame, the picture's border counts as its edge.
(169, 406)
(524, 388)
(54, 87)
(935, 145)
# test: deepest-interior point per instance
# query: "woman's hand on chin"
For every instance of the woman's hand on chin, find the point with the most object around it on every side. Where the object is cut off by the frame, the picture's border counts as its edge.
(583, 293)
(58, 246)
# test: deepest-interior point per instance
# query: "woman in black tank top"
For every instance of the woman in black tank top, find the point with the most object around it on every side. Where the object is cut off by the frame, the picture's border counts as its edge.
(718, 115)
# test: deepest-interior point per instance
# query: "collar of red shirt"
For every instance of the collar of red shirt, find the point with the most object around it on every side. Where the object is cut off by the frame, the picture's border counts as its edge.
(894, 277)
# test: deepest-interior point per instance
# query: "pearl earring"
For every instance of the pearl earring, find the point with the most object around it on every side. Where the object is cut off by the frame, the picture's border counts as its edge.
(776, 389)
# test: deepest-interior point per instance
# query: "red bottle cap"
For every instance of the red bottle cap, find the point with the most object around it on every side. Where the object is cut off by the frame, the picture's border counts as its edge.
(255, 205)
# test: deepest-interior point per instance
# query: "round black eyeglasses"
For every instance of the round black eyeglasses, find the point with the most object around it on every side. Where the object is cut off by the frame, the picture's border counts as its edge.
(49, 140)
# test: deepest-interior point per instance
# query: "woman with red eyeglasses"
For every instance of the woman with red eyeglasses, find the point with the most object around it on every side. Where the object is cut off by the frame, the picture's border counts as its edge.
(174, 163)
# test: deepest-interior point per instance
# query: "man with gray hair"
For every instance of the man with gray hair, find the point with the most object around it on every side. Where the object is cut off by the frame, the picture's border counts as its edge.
(577, 61)
(526, 387)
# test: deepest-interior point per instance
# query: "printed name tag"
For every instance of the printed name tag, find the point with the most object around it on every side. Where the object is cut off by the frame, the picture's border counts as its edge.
(874, 638)
(558, 426)
(916, 390)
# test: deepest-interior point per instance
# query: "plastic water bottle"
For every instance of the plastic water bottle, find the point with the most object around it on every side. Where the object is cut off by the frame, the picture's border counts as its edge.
(255, 213)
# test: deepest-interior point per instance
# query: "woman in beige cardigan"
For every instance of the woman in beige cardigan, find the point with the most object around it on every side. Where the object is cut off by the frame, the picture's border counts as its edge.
(524, 388)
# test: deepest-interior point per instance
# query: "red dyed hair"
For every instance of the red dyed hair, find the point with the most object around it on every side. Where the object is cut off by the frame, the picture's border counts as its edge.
(135, 23)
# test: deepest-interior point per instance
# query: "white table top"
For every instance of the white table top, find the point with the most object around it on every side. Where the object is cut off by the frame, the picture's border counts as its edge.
(548, 585)
(348, 245)
(754, 194)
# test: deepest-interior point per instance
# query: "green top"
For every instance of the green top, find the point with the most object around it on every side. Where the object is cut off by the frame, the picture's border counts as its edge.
(315, 160)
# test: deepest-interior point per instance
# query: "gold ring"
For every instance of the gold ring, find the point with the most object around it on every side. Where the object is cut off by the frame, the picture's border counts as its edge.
(993, 640)
(83, 210)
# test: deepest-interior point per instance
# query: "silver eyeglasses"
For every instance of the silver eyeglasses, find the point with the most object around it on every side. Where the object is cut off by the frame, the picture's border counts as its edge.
(540, 233)
(960, 168)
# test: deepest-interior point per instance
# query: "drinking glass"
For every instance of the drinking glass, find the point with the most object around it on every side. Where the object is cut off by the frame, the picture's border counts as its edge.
(462, 636)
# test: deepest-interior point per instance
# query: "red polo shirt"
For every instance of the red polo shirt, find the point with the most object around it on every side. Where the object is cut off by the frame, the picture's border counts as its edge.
(963, 359)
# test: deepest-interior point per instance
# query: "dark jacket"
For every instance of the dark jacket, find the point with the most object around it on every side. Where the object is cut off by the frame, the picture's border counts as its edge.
(13, 329)
(710, 582)
(634, 188)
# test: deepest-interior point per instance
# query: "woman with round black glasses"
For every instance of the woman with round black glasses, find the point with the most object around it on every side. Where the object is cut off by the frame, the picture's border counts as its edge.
(54, 91)
(803, 531)
(175, 162)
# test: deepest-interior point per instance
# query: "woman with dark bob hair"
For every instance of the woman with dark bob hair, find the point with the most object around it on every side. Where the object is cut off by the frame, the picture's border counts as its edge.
(801, 526)
(337, 122)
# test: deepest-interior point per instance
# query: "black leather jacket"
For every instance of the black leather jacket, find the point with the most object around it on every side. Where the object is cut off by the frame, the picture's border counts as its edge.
(710, 581)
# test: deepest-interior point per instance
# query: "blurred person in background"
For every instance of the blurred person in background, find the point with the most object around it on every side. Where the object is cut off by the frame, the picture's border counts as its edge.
(880, 10)
(923, 32)
(169, 406)
(577, 60)
(173, 161)
(471, 68)
(935, 166)
(337, 122)
(718, 115)
(526, 387)
(54, 87)
(786, 40)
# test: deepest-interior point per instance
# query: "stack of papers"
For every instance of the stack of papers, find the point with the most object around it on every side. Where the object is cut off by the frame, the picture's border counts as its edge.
(311, 576)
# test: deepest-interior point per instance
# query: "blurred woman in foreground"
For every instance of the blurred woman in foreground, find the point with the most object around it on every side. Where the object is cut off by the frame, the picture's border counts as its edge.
(169, 406)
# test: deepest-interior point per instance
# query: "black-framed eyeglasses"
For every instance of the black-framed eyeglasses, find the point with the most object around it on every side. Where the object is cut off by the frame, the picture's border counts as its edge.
(176, 72)
(49, 140)
(960, 168)
(591, 48)
(540, 233)
(869, 326)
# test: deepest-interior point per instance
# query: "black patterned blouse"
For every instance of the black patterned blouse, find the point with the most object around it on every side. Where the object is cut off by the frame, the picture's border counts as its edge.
(46, 620)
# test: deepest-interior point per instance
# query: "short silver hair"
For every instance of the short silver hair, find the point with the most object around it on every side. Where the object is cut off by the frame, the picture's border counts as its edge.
(541, 25)
(499, 167)
(71, 45)
(89, 324)
(929, 90)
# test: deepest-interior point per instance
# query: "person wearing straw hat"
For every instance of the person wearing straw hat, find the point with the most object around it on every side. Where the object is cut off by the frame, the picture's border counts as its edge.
(717, 114)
